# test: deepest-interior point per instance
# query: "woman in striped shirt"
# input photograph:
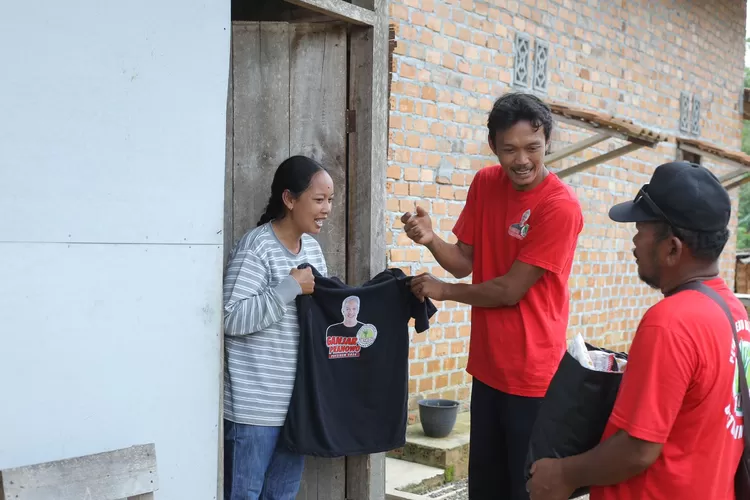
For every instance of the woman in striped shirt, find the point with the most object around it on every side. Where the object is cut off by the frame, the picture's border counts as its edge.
(262, 331)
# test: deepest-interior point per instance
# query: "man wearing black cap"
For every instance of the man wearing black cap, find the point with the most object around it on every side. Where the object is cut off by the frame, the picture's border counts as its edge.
(676, 427)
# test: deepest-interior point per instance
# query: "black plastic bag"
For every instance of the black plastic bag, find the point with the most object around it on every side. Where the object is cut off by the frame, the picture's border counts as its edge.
(574, 412)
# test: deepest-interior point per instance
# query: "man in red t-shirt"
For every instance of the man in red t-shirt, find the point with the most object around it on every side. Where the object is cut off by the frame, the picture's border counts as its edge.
(676, 428)
(517, 234)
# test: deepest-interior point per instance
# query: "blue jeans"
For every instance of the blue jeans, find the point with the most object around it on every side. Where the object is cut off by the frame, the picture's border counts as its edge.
(255, 468)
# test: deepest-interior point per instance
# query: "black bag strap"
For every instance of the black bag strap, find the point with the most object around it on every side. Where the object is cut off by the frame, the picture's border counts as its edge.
(701, 287)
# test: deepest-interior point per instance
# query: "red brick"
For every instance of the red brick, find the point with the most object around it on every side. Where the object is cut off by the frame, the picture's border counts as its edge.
(416, 369)
(425, 351)
(413, 140)
(398, 11)
(418, 19)
(442, 349)
(426, 384)
(429, 93)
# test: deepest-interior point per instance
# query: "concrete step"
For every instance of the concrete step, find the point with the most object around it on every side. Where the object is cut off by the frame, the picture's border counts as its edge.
(401, 477)
(450, 453)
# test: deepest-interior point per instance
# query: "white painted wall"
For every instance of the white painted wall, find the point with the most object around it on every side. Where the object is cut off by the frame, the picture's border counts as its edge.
(112, 141)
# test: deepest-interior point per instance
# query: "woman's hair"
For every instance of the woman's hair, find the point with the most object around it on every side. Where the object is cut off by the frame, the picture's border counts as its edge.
(294, 174)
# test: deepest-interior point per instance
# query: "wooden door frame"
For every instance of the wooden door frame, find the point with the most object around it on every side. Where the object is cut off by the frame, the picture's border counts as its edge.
(367, 159)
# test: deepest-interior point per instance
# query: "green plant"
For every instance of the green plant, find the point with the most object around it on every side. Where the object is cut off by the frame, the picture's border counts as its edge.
(450, 473)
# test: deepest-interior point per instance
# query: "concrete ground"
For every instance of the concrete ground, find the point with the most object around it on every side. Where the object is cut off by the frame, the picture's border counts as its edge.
(405, 475)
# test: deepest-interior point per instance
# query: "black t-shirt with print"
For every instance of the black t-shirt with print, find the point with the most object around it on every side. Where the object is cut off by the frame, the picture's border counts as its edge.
(351, 388)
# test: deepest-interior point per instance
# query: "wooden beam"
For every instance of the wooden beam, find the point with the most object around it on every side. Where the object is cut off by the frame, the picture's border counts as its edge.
(711, 156)
(368, 157)
(734, 173)
(338, 9)
(599, 159)
(114, 475)
(744, 298)
(368, 150)
(596, 128)
(738, 183)
(576, 147)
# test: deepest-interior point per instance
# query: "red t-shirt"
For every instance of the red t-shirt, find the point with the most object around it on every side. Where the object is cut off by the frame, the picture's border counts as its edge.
(681, 389)
(517, 349)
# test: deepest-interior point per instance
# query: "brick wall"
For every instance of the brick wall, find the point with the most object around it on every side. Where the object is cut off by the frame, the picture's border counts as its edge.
(631, 59)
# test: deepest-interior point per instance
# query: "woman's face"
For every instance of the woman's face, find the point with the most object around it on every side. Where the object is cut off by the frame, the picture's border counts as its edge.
(311, 209)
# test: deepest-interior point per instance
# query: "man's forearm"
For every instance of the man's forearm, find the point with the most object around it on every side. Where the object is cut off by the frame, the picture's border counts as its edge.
(450, 257)
(614, 461)
(493, 293)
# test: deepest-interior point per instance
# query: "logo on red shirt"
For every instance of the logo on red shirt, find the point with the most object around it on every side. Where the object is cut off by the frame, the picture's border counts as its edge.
(734, 411)
(520, 229)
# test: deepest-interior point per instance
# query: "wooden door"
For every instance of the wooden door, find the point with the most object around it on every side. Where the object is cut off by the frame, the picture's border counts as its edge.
(288, 95)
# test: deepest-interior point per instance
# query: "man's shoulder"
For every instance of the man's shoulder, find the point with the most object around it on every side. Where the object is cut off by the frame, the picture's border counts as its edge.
(560, 194)
(685, 311)
(492, 174)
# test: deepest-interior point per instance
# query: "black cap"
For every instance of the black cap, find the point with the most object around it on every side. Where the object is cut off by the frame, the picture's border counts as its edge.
(685, 195)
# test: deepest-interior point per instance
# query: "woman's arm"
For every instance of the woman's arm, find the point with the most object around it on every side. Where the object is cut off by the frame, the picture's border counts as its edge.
(250, 305)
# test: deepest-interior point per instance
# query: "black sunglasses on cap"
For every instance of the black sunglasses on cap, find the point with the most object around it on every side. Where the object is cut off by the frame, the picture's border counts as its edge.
(643, 195)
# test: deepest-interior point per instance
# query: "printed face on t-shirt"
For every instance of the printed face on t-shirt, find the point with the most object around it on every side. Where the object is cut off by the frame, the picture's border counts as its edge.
(350, 311)
(348, 338)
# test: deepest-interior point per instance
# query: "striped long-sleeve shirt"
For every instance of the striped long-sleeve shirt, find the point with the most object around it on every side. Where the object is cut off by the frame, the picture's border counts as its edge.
(260, 326)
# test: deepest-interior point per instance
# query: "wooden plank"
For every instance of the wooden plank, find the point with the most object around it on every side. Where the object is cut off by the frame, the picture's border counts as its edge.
(309, 487)
(331, 479)
(145, 496)
(627, 127)
(368, 151)
(706, 154)
(733, 174)
(365, 477)
(738, 183)
(598, 128)
(599, 159)
(338, 9)
(318, 104)
(261, 116)
(111, 475)
(576, 147)
(360, 219)
(229, 167)
(714, 151)
(744, 298)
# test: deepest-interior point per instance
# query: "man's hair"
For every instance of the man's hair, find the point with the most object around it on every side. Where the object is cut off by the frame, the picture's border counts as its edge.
(515, 107)
(351, 298)
(704, 245)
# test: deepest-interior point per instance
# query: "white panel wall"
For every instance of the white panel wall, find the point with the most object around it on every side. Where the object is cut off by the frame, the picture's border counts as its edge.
(112, 141)
(111, 118)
